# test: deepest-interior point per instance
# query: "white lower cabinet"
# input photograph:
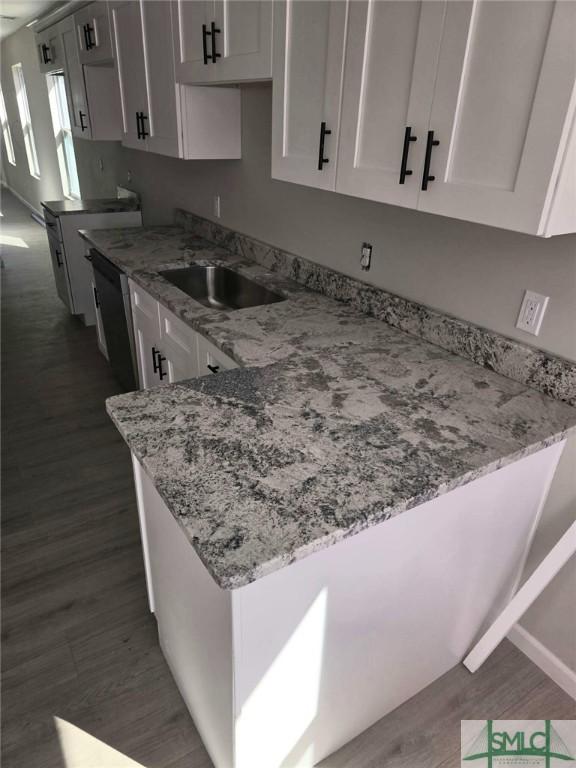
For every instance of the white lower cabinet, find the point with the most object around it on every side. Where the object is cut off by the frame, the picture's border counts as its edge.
(72, 271)
(167, 349)
(342, 637)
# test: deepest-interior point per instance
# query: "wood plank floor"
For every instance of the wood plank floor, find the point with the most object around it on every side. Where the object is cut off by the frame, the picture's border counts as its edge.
(84, 682)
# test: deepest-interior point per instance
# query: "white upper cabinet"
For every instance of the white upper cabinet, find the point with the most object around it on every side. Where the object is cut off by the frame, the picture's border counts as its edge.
(49, 50)
(227, 41)
(129, 50)
(92, 91)
(502, 111)
(74, 79)
(164, 96)
(307, 84)
(391, 57)
(464, 109)
(93, 31)
(159, 115)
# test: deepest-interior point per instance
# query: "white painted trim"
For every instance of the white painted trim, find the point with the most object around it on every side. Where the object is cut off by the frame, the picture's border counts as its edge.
(543, 657)
(23, 200)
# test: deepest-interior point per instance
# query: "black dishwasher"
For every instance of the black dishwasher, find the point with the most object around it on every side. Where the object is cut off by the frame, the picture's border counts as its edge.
(114, 300)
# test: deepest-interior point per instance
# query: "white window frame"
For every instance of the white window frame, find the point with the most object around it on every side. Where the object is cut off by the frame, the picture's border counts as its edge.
(6, 134)
(25, 119)
(63, 136)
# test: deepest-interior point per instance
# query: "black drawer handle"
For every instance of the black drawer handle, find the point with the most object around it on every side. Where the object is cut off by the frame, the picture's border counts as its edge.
(426, 177)
(157, 360)
(96, 302)
(213, 368)
(323, 133)
(213, 32)
(405, 150)
(154, 362)
(138, 128)
(82, 115)
(144, 132)
(46, 54)
(58, 259)
(88, 37)
(205, 43)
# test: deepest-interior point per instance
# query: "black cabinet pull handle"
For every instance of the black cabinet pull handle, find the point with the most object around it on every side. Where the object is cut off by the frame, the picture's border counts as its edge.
(161, 372)
(154, 361)
(213, 32)
(86, 44)
(426, 177)
(143, 132)
(82, 115)
(46, 58)
(58, 259)
(88, 34)
(405, 150)
(213, 368)
(96, 302)
(138, 128)
(323, 133)
(205, 43)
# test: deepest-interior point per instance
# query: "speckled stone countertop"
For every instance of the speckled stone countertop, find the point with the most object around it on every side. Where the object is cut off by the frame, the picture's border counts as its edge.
(337, 421)
(105, 205)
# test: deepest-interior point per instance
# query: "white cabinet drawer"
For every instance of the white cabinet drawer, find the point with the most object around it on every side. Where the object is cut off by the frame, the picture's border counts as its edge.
(211, 359)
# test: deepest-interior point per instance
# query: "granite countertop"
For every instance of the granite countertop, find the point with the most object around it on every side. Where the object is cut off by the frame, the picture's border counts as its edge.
(105, 205)
(337, 421)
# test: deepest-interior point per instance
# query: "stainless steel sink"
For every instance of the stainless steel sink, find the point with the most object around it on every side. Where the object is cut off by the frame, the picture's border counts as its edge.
(219, 287)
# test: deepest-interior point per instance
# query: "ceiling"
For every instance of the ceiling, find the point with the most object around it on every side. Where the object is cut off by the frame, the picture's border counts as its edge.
(23, 12)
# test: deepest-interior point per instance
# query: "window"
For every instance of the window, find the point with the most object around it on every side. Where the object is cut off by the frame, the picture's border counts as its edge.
(25, 120)
(63, 135)
(6, 135)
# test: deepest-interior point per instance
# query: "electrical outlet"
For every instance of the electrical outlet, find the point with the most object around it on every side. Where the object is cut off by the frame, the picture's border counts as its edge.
(216, 206)
(366, 256)
(532, 312)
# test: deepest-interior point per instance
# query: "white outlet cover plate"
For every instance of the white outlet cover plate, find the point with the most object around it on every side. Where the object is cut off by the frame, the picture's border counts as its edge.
(532, 312)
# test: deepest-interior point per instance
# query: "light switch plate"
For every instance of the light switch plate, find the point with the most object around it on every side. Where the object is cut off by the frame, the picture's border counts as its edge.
(532, 312)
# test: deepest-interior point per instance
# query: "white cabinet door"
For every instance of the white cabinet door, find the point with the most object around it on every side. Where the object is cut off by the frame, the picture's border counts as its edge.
(506, 75)
(226, 41)
(308, 59)
(163, 112)
(242, 40)
(59, 268)
(93, 31)
(145, 322)
(74, 78)
(127, 33)
(192, 36)
(179, 346)
(49, 49)
(391, 57)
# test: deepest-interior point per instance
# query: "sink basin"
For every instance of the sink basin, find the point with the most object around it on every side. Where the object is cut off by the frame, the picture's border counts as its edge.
(220, 287)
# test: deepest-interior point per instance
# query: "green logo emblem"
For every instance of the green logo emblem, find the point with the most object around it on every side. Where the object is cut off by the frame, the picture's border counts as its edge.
(542, 742)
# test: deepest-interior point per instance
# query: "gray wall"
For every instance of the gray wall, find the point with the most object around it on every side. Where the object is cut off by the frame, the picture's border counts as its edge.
(475, 272)
(20, 47)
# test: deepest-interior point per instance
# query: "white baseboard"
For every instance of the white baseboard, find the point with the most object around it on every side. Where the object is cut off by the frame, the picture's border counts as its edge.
(548, 662)
(23, 201)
